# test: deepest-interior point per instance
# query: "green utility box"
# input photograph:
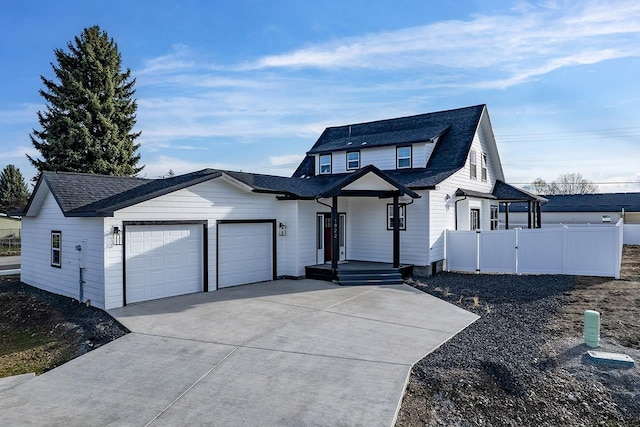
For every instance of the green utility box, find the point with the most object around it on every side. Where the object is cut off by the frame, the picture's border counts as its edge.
(592, 328)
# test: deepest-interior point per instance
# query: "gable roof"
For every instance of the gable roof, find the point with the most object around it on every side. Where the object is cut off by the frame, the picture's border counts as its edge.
(601, 202)
(453, 129)
(340, 187)
(82, 194)
(508, 193)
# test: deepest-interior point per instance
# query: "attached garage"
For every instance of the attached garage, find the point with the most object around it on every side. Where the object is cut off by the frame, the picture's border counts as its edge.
(163, 260)
(245, 252)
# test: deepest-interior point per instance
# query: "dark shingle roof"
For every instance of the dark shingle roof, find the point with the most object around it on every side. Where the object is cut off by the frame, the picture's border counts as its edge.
(80, 194)
(455, 129)
(506, 192)
(602, 202)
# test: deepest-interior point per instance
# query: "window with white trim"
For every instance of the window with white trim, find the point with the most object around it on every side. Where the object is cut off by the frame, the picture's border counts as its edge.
(483, 167)
(325, 164)
(353, 160)
(403, 157)
(56, 249)
(402, 209)
(473, 165)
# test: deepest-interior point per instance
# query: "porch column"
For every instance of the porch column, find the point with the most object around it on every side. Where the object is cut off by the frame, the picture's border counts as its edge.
(506, 216)
(529, 214)
(396, 232)
(335, 243)
(539, 213)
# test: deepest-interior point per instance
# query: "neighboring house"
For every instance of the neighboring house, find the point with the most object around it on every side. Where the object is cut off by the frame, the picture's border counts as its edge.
(603, 208)
(9, 226)
(383, 191)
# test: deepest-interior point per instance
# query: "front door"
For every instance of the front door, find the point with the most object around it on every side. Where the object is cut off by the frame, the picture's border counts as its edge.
(327, 237)
(323, 237)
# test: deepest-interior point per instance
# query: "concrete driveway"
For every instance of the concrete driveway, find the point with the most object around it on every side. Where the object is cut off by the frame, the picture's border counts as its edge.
(280, 353)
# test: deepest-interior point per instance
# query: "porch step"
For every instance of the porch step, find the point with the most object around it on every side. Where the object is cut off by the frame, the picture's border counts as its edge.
(370, 277)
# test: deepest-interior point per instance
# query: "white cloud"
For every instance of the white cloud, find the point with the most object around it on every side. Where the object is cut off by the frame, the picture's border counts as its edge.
(286, 160)
(530, 42)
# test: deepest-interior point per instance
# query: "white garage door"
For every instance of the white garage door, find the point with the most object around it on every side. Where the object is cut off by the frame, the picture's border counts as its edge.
(245, 253)
(163, 261)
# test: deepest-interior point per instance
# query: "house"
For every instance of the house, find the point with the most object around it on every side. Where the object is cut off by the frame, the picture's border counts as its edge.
(602, 208)
(382, 191)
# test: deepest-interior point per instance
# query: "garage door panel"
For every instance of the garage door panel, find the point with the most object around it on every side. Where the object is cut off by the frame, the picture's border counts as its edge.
(163, 260)
(245, 253)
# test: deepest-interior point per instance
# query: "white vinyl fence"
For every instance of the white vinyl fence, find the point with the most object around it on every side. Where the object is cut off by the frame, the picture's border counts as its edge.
(632, 234)
(584, 251)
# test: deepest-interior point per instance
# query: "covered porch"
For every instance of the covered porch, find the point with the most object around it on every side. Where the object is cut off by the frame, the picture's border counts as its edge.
(368, 183)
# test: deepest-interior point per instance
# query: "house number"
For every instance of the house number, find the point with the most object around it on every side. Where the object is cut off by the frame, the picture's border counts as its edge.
(335, 229)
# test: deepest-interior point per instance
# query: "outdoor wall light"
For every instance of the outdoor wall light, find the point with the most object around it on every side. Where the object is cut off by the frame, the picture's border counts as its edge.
(282, 230)
(117, 237)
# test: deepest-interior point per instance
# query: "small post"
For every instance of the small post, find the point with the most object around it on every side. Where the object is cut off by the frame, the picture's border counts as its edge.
(592, 328)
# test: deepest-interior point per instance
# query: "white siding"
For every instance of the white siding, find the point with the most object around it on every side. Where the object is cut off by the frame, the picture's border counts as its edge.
(339, 162)
(36, 269)
(306, 250)
(213, 200)
(442, 200)
(369, 240)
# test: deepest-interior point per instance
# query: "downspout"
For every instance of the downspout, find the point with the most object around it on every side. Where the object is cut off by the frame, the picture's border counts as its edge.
(455, 210)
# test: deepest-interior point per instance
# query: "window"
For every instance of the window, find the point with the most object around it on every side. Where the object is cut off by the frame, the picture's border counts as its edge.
(353, 160)
(56, 249)
(403, 157)
(494, 217)
(402, 209)
(474, 222)
(483, 167)
(325, 164)
(473, 165)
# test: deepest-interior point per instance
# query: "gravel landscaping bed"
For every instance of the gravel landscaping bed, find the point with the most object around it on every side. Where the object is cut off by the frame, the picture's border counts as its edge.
(524, 362)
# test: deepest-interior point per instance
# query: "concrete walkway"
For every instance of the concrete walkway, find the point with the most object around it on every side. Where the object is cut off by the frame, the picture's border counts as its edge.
(279, 353)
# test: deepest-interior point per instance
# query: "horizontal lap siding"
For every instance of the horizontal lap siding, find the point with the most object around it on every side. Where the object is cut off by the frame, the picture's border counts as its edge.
(442, 212)
(369, 240)
(211, 201)
(36, 269)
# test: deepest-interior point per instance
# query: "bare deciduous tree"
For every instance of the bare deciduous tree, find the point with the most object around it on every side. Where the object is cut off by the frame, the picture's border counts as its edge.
(568, 183)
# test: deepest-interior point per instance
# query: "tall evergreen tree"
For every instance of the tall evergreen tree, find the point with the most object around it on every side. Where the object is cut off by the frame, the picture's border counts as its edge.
(14, 193)
(90, 112)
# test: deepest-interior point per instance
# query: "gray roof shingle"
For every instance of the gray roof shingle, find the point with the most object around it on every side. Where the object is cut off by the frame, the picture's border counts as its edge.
(602, 202)
(455, 129)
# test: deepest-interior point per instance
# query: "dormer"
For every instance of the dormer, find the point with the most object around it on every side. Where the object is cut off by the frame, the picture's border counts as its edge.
(404, 143)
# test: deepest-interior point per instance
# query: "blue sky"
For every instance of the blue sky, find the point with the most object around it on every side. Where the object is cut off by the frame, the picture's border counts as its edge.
(250, 85)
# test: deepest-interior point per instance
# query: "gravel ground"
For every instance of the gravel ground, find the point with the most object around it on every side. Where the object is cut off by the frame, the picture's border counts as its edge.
(523, 362)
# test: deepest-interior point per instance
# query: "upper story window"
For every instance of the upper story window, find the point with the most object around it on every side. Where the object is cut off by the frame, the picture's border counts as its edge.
(56, 249)
(403, 157)
(353, 160)
(473, 165)
(483, 167)
(325, 164)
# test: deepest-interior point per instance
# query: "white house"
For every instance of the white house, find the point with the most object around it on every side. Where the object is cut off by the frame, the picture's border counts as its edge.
(600, 208)
(382, 191)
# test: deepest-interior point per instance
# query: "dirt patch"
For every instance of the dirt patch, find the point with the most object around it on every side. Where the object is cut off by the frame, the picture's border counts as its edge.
(524, 362)
(40, 330)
